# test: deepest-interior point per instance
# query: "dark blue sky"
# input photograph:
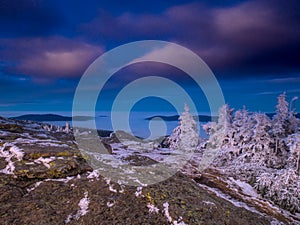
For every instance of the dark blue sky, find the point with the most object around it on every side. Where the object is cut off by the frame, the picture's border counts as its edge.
(253, 48)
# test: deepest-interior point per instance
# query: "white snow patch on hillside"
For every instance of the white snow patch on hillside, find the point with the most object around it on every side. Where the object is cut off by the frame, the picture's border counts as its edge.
(138, 192)
(83, 208)
(93, 175)
(169, 218)
(45, 161)
(12, 153)
(245, 187)
(35, 186)
(152, 208)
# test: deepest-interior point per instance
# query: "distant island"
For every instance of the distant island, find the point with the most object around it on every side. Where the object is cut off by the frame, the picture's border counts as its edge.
(56, 117)
(51, 117)
(201, 118)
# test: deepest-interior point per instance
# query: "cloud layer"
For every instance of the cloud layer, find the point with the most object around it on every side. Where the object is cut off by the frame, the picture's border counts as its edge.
(52, 57)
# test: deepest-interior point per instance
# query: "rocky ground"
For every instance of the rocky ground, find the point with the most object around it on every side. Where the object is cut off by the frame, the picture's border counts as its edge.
(45, 179)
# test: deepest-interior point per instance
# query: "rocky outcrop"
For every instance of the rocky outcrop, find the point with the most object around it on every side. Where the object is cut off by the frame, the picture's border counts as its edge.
(30, 152)
(44, 179)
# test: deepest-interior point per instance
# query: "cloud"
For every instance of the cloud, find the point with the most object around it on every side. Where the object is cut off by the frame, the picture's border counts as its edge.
(19, 18)
(285, 80)
(47, 58)
(251, 37)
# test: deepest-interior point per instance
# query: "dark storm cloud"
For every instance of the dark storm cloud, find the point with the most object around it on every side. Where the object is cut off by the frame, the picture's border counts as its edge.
(47, 58)
(20, 18)
(241, 37)
(253, 36)
(258, 36)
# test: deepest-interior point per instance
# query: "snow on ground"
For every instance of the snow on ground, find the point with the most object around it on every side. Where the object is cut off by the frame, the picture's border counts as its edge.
(169, 218)
(93, 175)
(10, 154)
(65, 180)
(152, 208)
(45, 161)
(138, 191)
(110, 204)
(35, 186)
(41, 142)
(83, 209)
(246, 188)
(254, 199)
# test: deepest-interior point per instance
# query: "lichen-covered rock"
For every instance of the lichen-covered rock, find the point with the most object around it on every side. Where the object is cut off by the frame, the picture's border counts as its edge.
(28, 151)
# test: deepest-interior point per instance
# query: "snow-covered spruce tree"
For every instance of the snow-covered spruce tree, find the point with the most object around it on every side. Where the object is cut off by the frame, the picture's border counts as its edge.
(293, 141)
(219, 132)
(242, 130)
(280, 119)
(280, 125)
(282, 187)
(294, 123)
(185, 136)
(173, 139)
(262, 141)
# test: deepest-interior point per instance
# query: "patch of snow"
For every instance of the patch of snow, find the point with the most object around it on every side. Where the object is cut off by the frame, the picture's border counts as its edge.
(170, 219)
(45, 161)
(17, 152)
(111, 188)
(69, 218)
(141, 183)
(83, 206)
(93, 174)
(35, 186)
(51, 144)
(10, 167)
(138, 192)
(122, 186)
(83, 209)
(229, 198)
(152, 208)
(246, 188)
(209, 203)
(13, 152)
(166, 211)
(276, 222)
(42, 135)
(65, 180)
(110, 204)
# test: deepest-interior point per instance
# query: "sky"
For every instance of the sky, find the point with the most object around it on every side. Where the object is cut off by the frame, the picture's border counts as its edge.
(252, 47)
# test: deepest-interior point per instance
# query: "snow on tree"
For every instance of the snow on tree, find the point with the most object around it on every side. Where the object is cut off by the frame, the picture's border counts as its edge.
(260, 150)
(280, 119)
(293, 141)
(294, 123)
(219, 131)
(185, 136)
(67, 128)
(281, 124)
(261, 140)
(173, 139)
(282, 187)
(242, 129)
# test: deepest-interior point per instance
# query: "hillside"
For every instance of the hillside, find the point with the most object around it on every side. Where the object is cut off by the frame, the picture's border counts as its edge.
(45, 179)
